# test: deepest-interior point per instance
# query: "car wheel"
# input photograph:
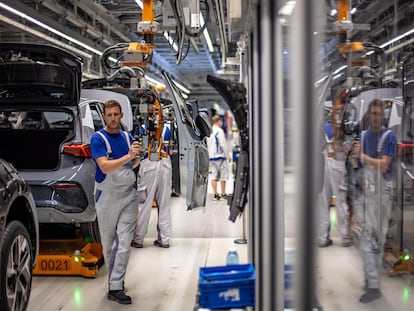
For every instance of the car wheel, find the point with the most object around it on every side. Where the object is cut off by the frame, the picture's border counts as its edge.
(90, 232)
(15, 268)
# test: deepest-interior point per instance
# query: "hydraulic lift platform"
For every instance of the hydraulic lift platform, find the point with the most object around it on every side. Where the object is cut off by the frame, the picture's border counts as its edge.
(69, 257)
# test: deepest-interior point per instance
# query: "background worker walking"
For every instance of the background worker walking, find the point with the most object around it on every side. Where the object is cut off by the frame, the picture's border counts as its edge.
(219, 157)
(334, 180)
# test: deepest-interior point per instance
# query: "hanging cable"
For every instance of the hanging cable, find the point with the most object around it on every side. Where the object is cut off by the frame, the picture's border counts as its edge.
(106, 64)
(183, 32)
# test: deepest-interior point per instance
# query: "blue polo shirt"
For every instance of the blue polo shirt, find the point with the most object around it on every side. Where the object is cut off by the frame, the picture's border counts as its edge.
(119, 149)
(389, 147)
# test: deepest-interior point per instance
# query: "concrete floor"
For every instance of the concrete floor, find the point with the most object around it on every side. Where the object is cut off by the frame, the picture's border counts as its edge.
(157, 279)
(166, 279)
(340, 282)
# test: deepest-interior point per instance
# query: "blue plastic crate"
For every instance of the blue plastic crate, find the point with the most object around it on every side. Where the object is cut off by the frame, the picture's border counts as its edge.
(288, 286)
(288, 276)
(227, 286)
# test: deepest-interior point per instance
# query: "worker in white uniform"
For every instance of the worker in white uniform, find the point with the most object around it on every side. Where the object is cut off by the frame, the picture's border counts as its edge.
(115, 155)
(154, 183)
(334, 180)
(375, 150)
(219, 157)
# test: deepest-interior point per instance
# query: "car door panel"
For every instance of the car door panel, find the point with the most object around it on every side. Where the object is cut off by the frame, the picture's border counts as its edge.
(193, 152)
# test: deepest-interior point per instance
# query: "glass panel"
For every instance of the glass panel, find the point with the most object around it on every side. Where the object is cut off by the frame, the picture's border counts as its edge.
(368, 179)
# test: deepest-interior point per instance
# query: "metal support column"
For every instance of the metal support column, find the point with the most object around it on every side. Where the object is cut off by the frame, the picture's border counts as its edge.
(267, 165)
(301, 93)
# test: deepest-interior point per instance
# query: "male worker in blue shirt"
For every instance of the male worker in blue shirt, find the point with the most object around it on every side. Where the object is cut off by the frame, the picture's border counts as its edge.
(375, 150)
(115, 154)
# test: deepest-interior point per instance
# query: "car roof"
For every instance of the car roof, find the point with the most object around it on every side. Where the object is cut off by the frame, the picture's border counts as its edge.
(104, 95)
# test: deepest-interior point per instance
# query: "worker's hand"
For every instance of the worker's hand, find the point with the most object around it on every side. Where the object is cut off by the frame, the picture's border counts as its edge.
(356, 148)
(135, 150)
(229, 159)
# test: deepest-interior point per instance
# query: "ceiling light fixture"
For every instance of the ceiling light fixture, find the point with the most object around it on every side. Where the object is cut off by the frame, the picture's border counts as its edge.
(399, 46)
(206, 35)
(287, 9)
(41, 35)
(154, 81)
(397, 38)
(139, 3)
(320, 80)
(56, 32)
(182, 87)
(339, 69)
(51, 29)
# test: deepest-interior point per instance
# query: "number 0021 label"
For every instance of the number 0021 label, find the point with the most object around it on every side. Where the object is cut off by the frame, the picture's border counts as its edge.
(54, 265)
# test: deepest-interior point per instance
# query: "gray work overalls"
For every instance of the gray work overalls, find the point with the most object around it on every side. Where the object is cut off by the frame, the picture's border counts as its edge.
(116, 209)
(334, 178)
(372, 213)
(154, 183)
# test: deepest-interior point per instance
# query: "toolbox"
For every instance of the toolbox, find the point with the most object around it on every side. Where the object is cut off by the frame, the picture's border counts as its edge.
(228, 286)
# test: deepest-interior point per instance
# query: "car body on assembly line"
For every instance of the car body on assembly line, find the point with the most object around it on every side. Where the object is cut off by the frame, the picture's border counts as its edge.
(19, 239)
(46, 134)
(188, 149)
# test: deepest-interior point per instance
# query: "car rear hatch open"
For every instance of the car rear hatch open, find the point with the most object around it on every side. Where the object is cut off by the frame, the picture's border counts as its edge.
(39, 98)
(38, 74)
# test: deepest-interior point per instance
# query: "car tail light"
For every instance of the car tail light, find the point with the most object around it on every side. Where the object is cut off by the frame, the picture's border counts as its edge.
(70, 196)
(78, 150)
(66, 186)
(405, 148)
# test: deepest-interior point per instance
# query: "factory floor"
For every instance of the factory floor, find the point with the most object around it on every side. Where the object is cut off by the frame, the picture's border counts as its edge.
(340, 281)
(161, 279)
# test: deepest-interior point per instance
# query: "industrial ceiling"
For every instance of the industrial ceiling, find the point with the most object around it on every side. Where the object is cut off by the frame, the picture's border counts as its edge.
(102, 23)
(99, 24)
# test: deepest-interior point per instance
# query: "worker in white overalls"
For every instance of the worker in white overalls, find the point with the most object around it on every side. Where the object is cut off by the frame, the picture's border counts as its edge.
(154, 183)
(375, 150)
(115, 155)
(334, 181)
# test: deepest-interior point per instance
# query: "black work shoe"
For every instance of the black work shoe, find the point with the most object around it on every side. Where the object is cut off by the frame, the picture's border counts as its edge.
(119, 296)
(347, 243)
(216, 197)
(136, 244)
(158, 243)
(325, 244)
(370, 295)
